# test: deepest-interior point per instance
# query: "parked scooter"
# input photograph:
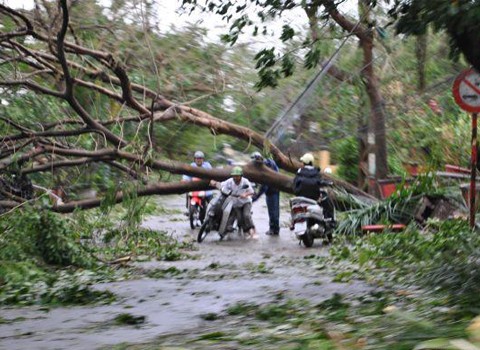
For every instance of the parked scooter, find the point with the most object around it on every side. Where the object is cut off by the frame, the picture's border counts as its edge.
(218, 211)
(308, 219)
(197, 205)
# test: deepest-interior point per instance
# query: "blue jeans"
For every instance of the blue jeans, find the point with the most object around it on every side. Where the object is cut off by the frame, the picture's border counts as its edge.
(273, 206)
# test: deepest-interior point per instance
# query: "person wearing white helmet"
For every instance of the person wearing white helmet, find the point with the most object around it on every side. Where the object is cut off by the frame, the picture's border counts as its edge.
(308, 180)
(272, 196)
(199, 161)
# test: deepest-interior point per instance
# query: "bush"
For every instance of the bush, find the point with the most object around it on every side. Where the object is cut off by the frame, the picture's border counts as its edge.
(346, 151)
(31, 241)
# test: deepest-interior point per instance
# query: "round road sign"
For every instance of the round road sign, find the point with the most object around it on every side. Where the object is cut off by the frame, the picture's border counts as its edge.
(466, 90)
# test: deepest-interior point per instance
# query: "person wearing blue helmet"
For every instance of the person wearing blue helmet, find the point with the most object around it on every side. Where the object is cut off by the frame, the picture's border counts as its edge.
(198, 161)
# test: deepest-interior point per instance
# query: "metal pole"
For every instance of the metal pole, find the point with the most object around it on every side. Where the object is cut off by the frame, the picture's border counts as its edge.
(474, 170)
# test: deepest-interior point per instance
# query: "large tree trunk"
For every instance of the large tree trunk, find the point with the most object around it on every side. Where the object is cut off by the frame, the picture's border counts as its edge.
(363, 31)
(376, 134)
(255, 172)
(377, 108)
(421, 54)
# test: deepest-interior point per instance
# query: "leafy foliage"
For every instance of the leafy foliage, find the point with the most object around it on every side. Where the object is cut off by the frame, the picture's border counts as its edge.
(442, 257)
(49, 259)
(140, 242)
(459, 18)
(347, 157)
(33, 234)
(31, 242)
(128, 319)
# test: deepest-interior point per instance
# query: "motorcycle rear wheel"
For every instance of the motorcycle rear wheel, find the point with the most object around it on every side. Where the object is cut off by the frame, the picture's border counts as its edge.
(204, 230)
(307, 239)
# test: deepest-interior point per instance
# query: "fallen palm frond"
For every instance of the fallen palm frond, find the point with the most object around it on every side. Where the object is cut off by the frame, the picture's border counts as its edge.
(345, 201)
(401, 207)
(392, 210)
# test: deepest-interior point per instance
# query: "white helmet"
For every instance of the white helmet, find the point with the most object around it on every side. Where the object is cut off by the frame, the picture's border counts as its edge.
(256, 156)
(307, 159)
(199, 154)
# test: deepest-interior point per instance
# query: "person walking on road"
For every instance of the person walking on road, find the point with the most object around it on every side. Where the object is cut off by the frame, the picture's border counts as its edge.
(272, 196)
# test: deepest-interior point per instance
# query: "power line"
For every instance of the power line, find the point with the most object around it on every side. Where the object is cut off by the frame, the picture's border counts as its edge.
(308, 90)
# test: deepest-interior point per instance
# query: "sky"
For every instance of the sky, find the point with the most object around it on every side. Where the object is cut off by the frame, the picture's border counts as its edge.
(169, 16)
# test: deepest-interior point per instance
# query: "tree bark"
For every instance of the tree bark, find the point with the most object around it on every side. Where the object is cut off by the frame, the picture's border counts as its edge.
(363, 31)
(255, 172)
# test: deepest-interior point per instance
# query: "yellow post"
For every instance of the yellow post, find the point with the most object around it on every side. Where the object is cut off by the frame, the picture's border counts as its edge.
(324, 159)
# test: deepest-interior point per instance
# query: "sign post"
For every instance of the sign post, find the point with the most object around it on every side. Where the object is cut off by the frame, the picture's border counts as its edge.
(473, 162)
(466, 91)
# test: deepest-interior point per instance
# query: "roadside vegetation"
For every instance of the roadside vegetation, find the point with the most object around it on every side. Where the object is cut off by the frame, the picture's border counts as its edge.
(50, 259)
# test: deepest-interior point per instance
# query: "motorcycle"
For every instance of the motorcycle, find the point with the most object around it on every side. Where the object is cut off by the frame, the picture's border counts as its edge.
(218, 211)
(197, 205)
(308, 219)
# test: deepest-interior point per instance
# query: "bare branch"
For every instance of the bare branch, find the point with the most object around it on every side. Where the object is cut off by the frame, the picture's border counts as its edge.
(69, 84)
(62, 164)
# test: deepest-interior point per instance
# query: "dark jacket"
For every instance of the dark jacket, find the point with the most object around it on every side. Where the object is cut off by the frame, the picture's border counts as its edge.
(264, 188)
(307, 182)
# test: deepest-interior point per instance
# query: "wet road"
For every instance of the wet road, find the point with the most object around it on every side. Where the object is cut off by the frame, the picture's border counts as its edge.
(221, 274)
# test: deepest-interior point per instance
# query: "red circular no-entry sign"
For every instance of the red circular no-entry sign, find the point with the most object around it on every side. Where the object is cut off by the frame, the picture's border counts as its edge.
(466, 90)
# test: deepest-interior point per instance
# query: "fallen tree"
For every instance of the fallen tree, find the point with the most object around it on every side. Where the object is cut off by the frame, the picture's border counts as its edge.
(49, 59)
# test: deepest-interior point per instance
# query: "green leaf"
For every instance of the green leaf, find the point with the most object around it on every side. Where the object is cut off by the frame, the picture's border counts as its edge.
(287, 66)
(312, 58)
(287, 33)
(265, 58)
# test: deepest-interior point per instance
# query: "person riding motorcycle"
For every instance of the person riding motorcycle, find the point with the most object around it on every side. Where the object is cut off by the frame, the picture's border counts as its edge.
(241, 188)
(199, 161)
(307, 183)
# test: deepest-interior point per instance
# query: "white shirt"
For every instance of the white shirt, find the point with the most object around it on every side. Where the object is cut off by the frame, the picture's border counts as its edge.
(230, 185)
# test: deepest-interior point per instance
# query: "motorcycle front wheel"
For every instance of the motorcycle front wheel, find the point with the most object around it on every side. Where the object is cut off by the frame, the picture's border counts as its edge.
(204, 230)
(202, 212)
(191, 215)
